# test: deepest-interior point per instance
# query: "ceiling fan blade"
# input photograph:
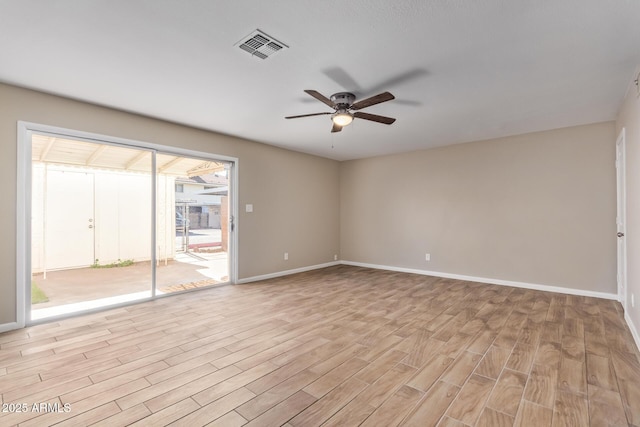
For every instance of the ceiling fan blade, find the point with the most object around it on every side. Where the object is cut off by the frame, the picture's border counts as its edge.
(382, 97)
(336, 128)
(374, 117)
(306, 115)
(320, 97)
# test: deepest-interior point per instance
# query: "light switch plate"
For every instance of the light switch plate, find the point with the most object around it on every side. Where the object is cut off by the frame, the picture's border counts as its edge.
(248, 207)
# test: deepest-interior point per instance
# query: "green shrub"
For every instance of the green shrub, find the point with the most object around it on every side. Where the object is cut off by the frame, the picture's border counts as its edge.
(37, 295)
(119, 263)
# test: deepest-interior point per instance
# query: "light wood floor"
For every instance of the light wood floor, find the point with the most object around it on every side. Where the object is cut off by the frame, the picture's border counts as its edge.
(336, 347)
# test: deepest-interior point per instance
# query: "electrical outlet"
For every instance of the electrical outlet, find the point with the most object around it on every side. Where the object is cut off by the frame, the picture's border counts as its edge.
(286, 256)
(427, 257)
(633, 302)
(335, 257)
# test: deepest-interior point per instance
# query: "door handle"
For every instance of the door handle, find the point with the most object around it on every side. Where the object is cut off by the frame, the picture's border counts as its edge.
(620, 234)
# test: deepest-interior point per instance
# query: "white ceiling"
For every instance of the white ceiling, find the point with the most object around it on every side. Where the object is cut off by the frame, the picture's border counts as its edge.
(461, 70)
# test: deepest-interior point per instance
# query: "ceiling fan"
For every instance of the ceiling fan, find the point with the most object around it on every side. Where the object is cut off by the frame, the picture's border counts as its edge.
(343, 103)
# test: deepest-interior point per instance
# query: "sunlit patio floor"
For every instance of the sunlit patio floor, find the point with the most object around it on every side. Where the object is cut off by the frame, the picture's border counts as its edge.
(86, 288)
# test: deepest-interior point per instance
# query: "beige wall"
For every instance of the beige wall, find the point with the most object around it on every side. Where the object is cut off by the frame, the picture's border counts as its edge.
(295, 196)
(536, 208)
(629, 118)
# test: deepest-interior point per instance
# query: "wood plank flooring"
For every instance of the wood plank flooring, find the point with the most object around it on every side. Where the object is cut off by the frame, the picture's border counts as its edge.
(340, 346)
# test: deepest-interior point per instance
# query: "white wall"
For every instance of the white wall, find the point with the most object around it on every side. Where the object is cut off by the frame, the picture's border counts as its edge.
(122, 212)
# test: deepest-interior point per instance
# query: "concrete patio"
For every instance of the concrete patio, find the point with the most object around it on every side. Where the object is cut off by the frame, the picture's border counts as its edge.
(84, 288)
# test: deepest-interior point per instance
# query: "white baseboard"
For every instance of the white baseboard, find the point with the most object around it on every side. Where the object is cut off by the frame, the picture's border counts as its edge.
(286, 272)
(632, 328)
(501, 282)
(4, 327)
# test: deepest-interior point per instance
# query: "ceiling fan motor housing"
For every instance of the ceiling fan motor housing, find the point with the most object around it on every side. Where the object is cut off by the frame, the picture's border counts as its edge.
(343, 100)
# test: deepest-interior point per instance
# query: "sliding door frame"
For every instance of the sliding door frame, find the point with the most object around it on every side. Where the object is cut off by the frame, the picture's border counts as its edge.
(23, 207)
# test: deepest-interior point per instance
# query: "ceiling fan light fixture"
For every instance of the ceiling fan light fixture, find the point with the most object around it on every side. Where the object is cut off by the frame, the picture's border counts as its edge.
(342, 118)
(342, 104)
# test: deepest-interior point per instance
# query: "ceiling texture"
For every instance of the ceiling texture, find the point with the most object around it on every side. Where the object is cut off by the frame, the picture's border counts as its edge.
(461, 70)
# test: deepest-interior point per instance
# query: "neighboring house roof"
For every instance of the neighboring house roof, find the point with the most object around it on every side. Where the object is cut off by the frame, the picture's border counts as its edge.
(221, 191)
(209, 180)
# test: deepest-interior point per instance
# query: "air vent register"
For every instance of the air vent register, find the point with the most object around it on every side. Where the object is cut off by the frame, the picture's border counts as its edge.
(261, 45)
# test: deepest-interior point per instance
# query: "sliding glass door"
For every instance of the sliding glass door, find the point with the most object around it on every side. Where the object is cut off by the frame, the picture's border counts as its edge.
(113, 223)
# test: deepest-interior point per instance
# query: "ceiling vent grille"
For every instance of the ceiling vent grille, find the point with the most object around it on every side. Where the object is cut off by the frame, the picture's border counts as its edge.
(261, 45)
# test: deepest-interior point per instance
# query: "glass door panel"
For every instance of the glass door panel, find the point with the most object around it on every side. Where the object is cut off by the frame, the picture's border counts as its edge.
(191, 228)
(91, 225)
